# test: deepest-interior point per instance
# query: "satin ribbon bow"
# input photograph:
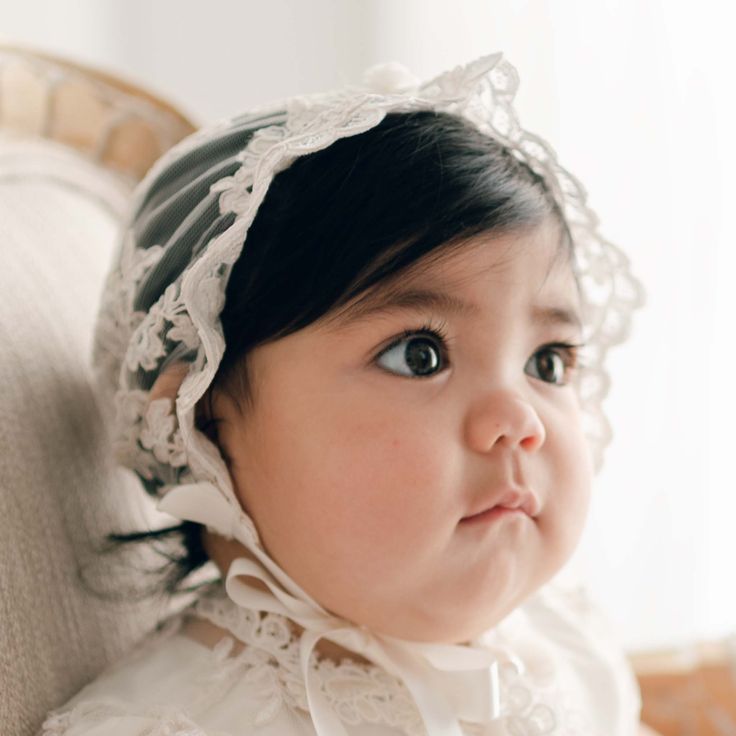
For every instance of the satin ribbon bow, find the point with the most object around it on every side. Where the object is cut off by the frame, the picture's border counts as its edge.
(447, 682)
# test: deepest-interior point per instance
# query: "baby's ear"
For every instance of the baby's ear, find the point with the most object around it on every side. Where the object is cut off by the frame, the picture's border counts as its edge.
(169, 380)
(167, 386)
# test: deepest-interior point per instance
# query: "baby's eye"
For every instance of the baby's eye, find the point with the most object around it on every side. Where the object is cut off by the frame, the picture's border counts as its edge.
(556, 361)
(416, 354)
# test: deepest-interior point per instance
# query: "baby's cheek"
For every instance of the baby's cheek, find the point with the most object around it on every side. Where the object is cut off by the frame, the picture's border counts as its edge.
(391, 493)
(569, 502)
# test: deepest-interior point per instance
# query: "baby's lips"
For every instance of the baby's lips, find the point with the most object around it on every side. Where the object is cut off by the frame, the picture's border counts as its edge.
(529, 505)
(509, 497)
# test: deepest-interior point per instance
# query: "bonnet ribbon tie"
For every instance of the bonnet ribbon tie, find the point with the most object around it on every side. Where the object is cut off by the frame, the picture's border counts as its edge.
(447, 682)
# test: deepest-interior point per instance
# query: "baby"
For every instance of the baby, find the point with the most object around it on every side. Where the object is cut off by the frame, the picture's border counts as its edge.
(355, 344)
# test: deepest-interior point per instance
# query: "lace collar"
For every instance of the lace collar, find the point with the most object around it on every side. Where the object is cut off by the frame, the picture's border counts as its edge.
(532, 700)
(550, 686)
(357, 692)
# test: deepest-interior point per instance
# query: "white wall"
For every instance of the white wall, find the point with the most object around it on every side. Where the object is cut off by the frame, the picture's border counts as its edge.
(648, 136)
(637, 99)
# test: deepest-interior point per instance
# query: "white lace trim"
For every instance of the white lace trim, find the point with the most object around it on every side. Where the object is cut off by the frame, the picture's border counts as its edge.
(356, 691)
(533, 701)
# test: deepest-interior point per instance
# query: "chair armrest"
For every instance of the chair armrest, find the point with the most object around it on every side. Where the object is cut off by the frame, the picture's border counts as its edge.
(111, 121)
(689, 690)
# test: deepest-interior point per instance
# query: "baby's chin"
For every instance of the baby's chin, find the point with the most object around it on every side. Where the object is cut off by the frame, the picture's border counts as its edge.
(480, 616)
(453, 628)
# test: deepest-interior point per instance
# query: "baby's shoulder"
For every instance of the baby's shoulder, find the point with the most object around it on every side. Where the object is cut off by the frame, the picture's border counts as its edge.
(175, 685)
(143, 692)
(112, 716)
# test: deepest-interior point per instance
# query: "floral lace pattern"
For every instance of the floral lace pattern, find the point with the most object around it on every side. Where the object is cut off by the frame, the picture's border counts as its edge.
(533, 700)
(270, 663)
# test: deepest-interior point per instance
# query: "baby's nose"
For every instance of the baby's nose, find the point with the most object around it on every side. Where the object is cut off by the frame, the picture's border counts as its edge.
(505, 417)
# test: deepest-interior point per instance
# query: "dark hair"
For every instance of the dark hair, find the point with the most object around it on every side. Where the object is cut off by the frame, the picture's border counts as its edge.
(341, 220)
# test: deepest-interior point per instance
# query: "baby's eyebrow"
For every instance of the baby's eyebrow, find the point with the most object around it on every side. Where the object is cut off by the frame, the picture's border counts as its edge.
(385, 302)
(549, 316)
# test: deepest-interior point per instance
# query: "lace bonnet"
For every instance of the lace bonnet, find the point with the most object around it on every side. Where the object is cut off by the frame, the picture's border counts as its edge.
(189, 220)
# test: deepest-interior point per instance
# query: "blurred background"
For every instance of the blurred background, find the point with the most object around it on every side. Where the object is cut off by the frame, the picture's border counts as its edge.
(637, 99)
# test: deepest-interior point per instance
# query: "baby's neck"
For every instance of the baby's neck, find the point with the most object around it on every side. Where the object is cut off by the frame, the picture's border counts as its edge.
(222, 552)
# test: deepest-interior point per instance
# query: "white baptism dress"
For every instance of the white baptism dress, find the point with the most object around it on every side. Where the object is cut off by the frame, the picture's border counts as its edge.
(565, 675)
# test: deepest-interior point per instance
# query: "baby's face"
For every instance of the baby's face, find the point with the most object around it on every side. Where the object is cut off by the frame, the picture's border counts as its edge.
(361, 460)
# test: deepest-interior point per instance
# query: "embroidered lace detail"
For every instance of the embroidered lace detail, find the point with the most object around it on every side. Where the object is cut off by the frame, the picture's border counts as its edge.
(533, 700)
(159, 434)
(357, 692)
(148, 438)
(116, 319)
(535, 704)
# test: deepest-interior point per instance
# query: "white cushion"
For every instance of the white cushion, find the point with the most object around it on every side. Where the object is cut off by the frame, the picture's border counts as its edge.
(59, 490)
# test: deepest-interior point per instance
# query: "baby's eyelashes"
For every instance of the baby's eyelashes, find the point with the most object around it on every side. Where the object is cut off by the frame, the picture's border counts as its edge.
(424, 352)
(422, 349)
